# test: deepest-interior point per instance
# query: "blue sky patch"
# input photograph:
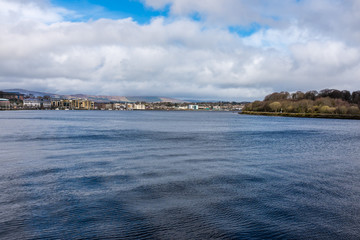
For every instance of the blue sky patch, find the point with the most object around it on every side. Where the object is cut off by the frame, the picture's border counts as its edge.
(96, 9)
(245, 31)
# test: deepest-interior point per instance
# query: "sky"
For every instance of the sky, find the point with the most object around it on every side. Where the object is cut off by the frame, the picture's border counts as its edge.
(206, 49)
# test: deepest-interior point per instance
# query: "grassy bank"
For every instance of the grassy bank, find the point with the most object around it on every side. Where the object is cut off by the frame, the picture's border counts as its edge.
(304, 115)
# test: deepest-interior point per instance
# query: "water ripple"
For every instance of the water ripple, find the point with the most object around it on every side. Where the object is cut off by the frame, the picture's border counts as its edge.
(177, 175)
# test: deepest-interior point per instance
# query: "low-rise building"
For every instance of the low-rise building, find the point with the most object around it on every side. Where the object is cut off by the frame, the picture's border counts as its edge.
(182, 107)
(193, 107)
(139, 106)
(216, 108)
(55, 103)
(99, 106)
(80, 104)
(118, 106)
(45, 104)
(129, 106)
(204, 107)
(77, 104)
(4, 104)
(32, 103)
(108, 106)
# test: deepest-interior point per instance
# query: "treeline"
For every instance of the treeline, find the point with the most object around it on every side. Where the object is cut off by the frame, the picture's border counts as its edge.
(327, 101)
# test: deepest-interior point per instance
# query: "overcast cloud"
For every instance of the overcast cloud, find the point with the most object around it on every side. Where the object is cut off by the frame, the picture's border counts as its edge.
(192, 53)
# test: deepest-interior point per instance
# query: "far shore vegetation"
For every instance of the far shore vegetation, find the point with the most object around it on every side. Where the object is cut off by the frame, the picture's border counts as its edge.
(328, 103)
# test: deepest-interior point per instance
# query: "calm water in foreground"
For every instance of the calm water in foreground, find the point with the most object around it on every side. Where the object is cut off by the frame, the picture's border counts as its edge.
(177, 175)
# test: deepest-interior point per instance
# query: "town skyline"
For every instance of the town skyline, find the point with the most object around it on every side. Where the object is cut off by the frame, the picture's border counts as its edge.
(109, 98)
(19, 99)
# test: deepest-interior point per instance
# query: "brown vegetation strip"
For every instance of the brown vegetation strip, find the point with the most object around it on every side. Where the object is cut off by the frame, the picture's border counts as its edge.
(305, 115)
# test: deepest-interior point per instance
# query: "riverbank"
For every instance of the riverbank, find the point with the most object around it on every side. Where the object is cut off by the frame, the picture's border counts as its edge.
(303, 115)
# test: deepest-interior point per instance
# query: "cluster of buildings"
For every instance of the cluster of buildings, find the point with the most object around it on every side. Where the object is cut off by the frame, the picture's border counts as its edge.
(169, 106)
(10, 100)
(4, 104)
(120, 106)
(14, 100)
(75, 104)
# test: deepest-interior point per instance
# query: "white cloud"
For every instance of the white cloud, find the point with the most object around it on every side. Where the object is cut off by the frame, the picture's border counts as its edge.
(336, 18)
(178, 57)
(14, 11)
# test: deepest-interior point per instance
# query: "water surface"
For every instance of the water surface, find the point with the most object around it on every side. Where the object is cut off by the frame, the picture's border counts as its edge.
(177, 175)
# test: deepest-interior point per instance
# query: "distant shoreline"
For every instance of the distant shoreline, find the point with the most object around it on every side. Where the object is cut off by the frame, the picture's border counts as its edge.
(303, 115)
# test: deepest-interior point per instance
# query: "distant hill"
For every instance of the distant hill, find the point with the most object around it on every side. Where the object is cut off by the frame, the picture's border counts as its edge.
(27, 92)
(213, 101)
(97, 98)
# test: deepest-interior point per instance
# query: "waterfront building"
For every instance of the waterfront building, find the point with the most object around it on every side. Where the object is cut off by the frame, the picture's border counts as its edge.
(55, 103)
(108, 106)
(80, 104)
(77, 104)
(100, 106)
(116, 106)
(66, 104)
(45, 104)
(32, 103)
(4, 104)
(103, 106)
(193, 107)
(129, 106)
(139, 106)
(12, 95)
(204, 107)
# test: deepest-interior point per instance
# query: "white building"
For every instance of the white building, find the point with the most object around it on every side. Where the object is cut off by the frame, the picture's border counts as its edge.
(193, 107)
(32, 103)
(139, 106)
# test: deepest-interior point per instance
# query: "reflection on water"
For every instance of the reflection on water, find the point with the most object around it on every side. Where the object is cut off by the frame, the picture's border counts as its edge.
(177, 175)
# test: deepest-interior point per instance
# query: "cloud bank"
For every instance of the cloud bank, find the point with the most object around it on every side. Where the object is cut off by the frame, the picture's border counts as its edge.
(191, 53)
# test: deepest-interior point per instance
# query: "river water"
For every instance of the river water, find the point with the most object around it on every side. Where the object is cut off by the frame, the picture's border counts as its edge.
(177, 175)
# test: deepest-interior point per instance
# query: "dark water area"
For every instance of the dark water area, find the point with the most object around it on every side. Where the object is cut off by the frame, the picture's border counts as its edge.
(177, 175)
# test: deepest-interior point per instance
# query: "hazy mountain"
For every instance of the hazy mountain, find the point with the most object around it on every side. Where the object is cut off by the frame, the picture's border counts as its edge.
(27, 92)
(97, 98)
